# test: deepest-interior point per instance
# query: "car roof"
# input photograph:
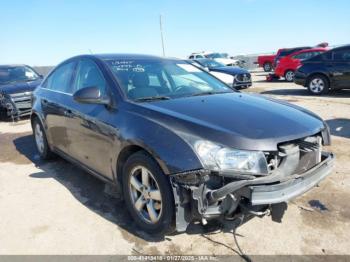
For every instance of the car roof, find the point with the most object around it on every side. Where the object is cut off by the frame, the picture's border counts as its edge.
(128, 56)
(309, 50)
(341, 47)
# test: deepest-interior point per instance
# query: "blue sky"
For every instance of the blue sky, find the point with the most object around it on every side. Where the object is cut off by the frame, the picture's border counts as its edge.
(41, 32)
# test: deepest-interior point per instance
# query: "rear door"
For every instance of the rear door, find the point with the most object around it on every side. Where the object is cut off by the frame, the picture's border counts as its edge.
(92, 138)
(54, 98)
(341, 68)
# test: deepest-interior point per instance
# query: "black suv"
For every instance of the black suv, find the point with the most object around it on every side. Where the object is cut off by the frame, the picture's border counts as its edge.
(180, 144)
(327, 71)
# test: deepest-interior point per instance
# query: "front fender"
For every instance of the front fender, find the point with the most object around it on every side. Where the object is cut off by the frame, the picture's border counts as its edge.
(172, 152)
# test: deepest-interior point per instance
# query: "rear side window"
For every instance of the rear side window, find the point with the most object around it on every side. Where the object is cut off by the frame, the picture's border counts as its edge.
(60, 79)
(89, 75)
(302, 56)
(342, 55)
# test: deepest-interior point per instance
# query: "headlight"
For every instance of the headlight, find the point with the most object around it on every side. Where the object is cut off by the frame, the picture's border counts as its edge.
(221, 158)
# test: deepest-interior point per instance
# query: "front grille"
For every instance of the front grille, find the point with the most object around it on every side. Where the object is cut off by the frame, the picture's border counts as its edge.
(22, 100)
(243, 77)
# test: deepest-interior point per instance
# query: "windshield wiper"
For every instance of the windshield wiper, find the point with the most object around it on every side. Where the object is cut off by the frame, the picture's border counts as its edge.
(152, 98)
(210, 93)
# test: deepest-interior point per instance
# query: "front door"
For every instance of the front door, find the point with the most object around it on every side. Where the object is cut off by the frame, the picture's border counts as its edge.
(91, 137)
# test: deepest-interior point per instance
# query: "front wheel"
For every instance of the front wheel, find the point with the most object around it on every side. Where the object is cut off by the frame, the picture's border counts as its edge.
(148, 194)
(318, 85)
(289, 76)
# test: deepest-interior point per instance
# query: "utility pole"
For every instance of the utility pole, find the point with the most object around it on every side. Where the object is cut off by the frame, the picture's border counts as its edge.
(161, 33)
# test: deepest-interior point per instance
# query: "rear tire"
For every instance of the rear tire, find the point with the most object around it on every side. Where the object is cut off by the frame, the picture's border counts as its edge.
(289, 75)
(148, 194)
(40, 139)
(318, 85)
(267, 67)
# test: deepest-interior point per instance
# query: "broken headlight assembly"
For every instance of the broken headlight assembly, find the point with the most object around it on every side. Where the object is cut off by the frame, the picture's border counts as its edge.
(228, 160)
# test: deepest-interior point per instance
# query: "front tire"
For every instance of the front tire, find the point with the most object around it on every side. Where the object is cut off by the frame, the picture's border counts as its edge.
(289, 75)
(41, 141)
(148, 194)
(267, 67)
(318, 85)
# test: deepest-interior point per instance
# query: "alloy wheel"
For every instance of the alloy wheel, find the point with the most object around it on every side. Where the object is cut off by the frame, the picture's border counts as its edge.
(317, 85)
(289, 76)
(39, 138)
(145, 195)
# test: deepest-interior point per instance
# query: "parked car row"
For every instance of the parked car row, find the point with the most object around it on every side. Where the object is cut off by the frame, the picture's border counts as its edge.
(269, 62)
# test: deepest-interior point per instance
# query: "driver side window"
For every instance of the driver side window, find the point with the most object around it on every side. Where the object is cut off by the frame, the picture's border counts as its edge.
(89, 75)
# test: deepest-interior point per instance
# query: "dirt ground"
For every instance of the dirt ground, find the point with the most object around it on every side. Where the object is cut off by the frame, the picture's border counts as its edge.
(55, 208)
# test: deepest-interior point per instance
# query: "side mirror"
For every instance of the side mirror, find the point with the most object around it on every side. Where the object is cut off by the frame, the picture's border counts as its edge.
(90, 95)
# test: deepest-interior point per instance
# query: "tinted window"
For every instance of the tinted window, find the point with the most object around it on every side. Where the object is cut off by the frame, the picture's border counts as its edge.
(60, 79)
(343, 55)
(89, 75)
(306, 55)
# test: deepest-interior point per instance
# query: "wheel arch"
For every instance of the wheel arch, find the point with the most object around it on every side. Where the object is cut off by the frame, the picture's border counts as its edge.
(131, 149)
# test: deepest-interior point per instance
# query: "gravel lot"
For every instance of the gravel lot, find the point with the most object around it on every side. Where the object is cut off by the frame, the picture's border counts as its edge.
(55, 208)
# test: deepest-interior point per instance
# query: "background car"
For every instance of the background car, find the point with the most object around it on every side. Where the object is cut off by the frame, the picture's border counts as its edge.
(266, 62)
(288, 64)
(196, 55)
(233, 76)
(17, 82)
(328, 71)
(222, 58)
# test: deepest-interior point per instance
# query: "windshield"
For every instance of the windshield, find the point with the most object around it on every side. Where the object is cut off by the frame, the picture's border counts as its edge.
(13, 74)
(210, 63)
(163, 79)
(217, 55)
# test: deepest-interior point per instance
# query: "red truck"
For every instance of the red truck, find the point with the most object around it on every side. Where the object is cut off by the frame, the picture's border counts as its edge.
(266, 62)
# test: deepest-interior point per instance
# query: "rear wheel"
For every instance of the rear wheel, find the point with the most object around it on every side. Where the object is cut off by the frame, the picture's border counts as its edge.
(289, 75)
(267, 67)
(41, 140)
(148, 194)
(318, 85)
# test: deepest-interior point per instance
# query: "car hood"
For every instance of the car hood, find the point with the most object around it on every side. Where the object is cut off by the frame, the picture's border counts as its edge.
(19, 87)
(232, 70)
(242, 121)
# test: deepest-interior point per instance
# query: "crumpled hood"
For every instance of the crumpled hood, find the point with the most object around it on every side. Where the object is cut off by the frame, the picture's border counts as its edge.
(237, 120)
(19, 87)
(232, 70)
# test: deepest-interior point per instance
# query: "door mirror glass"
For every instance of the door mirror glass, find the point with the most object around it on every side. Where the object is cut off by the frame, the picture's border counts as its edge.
(90, 95)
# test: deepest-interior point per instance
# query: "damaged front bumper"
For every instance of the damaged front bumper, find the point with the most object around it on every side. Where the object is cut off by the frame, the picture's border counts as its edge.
(296, 186)
(15, 105)
(199, 198)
